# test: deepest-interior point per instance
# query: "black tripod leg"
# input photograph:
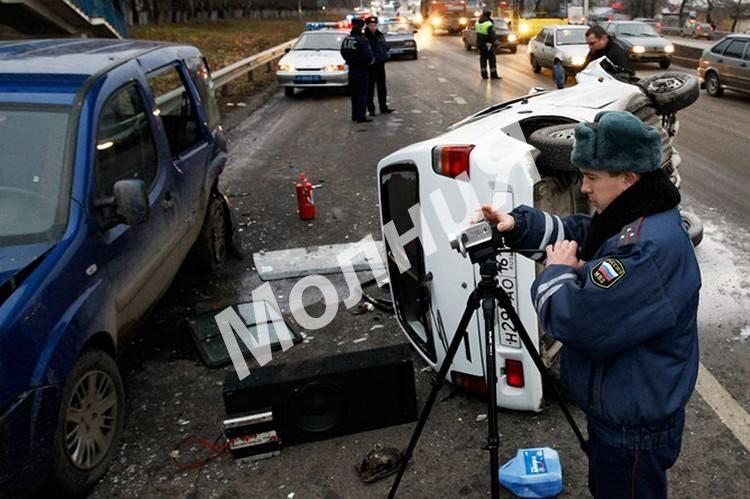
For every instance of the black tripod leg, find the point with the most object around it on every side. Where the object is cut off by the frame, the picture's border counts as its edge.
(472, 305)
(488, 307)
(506, 304)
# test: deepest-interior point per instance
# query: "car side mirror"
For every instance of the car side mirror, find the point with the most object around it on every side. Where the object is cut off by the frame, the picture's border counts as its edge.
(287, 50)
(128, 204)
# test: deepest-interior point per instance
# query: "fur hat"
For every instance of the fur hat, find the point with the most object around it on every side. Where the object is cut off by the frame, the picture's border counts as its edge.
(617, 141)
(357, 22)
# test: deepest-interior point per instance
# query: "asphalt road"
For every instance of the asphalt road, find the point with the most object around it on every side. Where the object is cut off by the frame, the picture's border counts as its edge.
(272, 139)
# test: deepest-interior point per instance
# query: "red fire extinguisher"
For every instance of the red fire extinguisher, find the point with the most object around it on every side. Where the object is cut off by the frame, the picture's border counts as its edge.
(305, 201)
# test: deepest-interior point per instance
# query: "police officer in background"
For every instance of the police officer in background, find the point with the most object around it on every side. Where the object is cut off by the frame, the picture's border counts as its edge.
(377, 70)
(486, 39)
(355, 49)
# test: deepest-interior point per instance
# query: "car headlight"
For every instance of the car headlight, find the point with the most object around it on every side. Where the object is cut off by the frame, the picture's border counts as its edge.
(669, 49)
(638, 49)
(330, 68)
(463, 20)
(512, 37)
(524, 28)
(418, 18)
(577, 60)
(286, 68)
(436, 21)
(409, 43)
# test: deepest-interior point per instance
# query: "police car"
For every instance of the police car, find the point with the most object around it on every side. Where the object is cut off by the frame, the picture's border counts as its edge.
(516, 152)
(314, 61)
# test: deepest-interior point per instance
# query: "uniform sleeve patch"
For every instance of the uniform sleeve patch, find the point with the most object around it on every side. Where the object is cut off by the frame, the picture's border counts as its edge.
(607, 272)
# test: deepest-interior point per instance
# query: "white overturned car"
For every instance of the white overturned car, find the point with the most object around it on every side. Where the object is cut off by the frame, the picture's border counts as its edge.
(516, 152)
(314, 61)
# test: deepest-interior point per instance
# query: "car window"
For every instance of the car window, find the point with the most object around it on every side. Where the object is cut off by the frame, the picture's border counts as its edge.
(540, 37)
(735, 49)
(500, 24)
(319, 41)
(176, 109)
(719, 47)
(571, 36)
(636, 29)
(198, 70)
(550, 38)
(125, 146)
(611, 28)
(747, 53)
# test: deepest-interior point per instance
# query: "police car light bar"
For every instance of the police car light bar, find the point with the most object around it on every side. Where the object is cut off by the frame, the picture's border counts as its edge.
(312, 26)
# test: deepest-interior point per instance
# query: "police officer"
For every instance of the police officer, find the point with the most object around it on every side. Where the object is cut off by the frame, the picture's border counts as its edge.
(601, 45)
(624, 304)
(377, 70)
(486, 39)
(355, 49)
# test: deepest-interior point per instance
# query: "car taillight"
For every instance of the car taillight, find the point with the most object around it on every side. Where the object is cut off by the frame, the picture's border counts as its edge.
(514, 373)
(474, 384)
(451, 161)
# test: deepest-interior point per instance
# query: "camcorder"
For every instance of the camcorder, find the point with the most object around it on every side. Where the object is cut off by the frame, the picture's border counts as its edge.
(478, 240)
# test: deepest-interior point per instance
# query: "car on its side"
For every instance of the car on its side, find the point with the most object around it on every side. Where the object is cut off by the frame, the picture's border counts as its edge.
(726, 65)
(642, 42)
(506, 39)
(698, 30)
(561, 48)
(400, 39)
(314, 61)
(112, 152)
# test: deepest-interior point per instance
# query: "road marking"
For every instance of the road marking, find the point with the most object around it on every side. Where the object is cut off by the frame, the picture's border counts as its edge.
(460, 100)
(430, 67)
(724, 405)
(441, 79)
(416, 111)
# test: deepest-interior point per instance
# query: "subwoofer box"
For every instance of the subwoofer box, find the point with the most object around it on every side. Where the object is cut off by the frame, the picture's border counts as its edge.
(325, 397)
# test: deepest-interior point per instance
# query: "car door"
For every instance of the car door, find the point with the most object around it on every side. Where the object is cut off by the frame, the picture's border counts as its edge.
(548, 49)
(125, 148)
(743, 76)
(732, 63)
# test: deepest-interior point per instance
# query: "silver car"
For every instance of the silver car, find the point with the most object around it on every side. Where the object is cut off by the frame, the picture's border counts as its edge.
(561, 48)
(642, 42)
(726, 65)
(314, 61)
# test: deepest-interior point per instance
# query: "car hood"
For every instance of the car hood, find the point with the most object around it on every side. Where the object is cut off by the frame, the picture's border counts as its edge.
(574, 50)
(14, 259)
(312, 59)
(645, 41)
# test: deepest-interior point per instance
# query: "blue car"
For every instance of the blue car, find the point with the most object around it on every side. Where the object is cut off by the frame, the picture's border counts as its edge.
(110, 154)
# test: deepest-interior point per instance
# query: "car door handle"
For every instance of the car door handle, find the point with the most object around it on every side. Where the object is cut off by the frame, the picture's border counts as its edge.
(168, 201)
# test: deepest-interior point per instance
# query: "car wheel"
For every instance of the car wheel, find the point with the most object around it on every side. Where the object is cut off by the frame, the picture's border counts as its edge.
(415, 56)
(671, 91)
(211, 248)
(713, 85)
(693, 226)
(535, 65)
(89, 423)
(467, 45)
(555, 143)
(665, 64)
(513, 50)
(289, 91)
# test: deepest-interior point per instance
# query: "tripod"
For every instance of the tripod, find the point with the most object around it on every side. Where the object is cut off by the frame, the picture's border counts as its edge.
(487, 293)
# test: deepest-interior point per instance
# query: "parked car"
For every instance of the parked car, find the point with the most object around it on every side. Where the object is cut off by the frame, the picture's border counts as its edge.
(506, 39)
(654, 23)
(112, 151)
(561, 48)
(400, 40)
(314, 61)
(726, 65)
(512, 153)
(642, 42)
(698, 30)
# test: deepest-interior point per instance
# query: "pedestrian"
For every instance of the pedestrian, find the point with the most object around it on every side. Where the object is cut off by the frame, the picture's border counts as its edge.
(602, 45)
(486, 40)
(376, 76)
(355, 49)
(620, 290)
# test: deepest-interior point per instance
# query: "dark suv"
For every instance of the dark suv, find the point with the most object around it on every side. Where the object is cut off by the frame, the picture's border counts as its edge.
(111, 153)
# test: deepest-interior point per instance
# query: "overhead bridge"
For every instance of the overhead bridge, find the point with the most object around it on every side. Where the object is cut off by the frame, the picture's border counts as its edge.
(89, 18)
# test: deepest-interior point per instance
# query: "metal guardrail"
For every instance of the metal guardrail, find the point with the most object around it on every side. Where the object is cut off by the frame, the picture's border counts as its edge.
(246, 66)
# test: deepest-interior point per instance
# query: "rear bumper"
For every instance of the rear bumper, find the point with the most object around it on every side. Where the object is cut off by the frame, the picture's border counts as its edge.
(402, 51)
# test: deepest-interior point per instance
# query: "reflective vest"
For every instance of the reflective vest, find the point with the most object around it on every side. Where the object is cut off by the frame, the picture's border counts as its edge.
(483, 28)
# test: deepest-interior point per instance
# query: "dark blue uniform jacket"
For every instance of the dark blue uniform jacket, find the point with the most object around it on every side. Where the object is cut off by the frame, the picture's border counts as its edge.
(627, 321)
(355, 49)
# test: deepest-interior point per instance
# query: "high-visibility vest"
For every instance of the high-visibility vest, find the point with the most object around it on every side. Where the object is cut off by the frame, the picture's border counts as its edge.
(483, 28)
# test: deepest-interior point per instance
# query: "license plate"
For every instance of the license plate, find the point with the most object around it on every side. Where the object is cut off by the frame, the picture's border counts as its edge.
(307, 78)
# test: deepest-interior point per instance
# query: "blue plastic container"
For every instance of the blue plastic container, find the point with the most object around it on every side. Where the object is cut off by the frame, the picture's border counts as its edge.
(533, 473)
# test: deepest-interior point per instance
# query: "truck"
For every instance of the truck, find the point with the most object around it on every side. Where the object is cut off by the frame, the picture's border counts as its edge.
(449, 16)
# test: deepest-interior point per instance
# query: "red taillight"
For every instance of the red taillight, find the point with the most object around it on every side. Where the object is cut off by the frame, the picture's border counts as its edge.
(698, 28)
(514, 373)
(474, 384)
(451, 161)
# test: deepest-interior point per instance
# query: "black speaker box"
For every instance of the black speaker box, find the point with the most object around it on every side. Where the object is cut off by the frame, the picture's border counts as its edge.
(325, 397)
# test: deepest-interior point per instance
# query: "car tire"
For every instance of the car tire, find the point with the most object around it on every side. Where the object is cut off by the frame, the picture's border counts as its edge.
(555, 144)
(665, 64)
(415, 56)
(535, 65)
(513, 50)
(713, 85)
(693, 226)
(289, 91)
(671, 91)
(75, 471)
(467, 45)
(211, 249)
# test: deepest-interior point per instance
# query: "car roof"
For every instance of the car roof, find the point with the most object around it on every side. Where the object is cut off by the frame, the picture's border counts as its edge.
(79, 56)
(570, 26)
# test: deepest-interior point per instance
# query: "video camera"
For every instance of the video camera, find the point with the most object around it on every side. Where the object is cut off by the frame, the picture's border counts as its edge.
(479, 240)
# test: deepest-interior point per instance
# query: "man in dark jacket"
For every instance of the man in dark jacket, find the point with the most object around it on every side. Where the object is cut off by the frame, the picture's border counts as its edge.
(486, 39)
(624, 305)
(355, 49)
(377, 70)
(601, 45)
